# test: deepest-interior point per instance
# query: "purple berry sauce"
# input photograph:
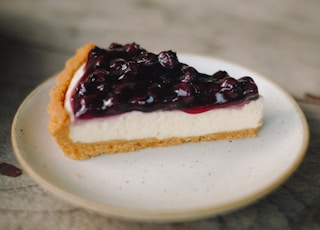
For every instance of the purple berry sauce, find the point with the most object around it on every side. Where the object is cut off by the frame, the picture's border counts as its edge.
(125, 78)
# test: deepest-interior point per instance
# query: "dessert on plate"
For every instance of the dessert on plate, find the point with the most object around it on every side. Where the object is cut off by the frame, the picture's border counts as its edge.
(126, 98)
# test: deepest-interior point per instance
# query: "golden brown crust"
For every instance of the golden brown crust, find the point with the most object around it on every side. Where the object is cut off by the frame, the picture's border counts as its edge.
(59, 122)
(80, 151)
(59, 119)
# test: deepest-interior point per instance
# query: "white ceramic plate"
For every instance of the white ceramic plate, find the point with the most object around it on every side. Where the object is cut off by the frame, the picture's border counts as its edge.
(182, 182)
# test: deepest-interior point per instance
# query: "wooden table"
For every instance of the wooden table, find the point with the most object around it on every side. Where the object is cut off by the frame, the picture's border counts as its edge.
(279, 39)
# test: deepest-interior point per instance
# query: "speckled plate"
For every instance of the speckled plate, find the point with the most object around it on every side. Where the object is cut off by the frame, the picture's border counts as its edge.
(176, 183)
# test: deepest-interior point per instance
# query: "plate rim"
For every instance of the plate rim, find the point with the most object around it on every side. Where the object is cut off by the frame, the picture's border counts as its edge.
(162, 216)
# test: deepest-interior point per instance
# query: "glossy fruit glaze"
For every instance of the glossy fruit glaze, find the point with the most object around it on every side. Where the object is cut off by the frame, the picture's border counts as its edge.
(127, 77)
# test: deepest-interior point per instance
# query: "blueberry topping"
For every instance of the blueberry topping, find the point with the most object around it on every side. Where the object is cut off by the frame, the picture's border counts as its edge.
(126, 77)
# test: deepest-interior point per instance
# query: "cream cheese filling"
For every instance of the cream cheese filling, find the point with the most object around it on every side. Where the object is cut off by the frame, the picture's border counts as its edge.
(162, 124)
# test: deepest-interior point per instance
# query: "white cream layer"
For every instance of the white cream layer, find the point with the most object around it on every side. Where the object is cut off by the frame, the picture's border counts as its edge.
(162, 124)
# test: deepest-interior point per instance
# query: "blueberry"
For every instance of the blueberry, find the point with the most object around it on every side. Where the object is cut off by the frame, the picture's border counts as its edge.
(116, 46)
(189, 74)
(131, 48)
(95, 52)
(168, 59)
(117, 66)
(184, 92)
(146, 59)
(100, 62)
(98, 76)
(231, 88)
(121, 66)
(220, 74)
(131, 68)
(228, 83)
(249, 86)
(117, 63)
(206, 92)
(183, 89)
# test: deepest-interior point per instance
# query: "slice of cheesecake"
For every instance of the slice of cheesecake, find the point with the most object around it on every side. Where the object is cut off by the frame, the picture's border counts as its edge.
(126, 98)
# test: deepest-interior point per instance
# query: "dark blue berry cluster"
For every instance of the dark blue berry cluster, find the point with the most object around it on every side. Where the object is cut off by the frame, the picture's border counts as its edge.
(126, 77)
